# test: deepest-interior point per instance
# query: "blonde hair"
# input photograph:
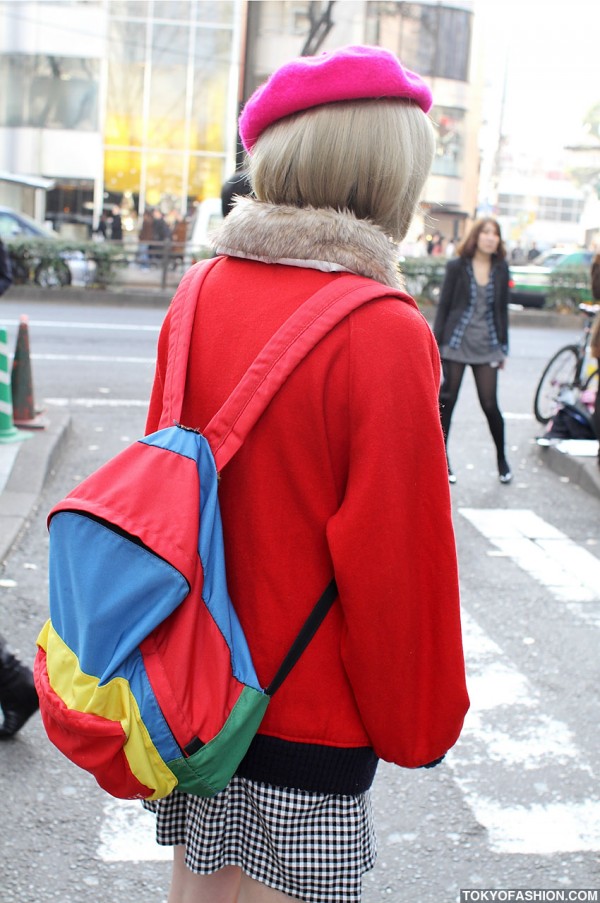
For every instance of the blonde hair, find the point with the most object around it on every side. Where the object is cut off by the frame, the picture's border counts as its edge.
(370, 157)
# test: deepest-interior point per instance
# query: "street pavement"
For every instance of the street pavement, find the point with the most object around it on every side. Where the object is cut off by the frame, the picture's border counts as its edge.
(24, 467)
(25, 464)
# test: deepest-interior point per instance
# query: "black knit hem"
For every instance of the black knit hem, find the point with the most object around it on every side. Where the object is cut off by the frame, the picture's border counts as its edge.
(308, 766)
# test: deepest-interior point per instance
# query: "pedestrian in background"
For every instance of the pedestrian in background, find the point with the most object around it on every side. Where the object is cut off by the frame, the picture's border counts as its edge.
(160, 234)
(145, 237)
(178, 231)
(517, 255)
(237, 185)
(595, 344)
(471, 328)
(332, 480)
(18, 697)
(116, 224)
(160, 227)
(101, 229)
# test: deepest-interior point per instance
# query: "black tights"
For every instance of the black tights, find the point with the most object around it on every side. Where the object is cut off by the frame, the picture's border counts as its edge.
(486, 381)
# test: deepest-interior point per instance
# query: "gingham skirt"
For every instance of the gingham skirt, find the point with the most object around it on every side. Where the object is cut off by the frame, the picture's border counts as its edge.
(311, 846)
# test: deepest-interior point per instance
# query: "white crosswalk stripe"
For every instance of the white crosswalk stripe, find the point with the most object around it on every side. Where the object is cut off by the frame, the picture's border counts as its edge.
(127, 834)
(95, 358)
(510, 750)
(97, 402)
(569, 572)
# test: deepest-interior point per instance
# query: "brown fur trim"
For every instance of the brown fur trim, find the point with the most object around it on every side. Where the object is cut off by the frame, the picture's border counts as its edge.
(273, 233)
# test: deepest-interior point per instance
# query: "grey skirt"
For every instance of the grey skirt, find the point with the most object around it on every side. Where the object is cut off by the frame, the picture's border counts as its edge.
(311, 846)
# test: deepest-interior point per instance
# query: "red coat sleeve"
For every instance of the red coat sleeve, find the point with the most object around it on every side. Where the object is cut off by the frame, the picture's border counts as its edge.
(401, 644)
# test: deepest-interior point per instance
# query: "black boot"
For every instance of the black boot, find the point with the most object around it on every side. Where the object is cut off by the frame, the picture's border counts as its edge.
(504, 471)
(18, 697)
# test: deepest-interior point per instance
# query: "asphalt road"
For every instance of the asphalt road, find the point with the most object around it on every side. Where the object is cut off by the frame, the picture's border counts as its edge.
(516, 803)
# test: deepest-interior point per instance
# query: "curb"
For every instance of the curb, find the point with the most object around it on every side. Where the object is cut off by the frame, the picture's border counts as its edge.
(545, 319)
(123, 297)
(583, 472)
(154, 296)
(21, 494)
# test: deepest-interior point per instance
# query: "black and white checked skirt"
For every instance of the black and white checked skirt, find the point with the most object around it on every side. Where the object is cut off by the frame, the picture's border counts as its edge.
(311, 846)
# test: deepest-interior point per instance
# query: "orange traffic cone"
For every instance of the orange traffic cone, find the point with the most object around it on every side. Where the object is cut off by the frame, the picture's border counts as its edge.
(24, 412)
(8, 433)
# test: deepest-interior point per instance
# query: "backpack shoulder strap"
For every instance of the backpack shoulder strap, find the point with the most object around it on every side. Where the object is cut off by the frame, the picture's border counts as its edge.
(182, 311)
(281, 355)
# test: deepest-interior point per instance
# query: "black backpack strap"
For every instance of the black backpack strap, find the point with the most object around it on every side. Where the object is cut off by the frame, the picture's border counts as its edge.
(307, 632)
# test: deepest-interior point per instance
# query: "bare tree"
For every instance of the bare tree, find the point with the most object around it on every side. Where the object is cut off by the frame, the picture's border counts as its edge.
(321, 23)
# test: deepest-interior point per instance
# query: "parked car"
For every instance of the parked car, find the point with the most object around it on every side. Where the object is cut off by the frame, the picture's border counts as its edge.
(68, 266)
(561, 272)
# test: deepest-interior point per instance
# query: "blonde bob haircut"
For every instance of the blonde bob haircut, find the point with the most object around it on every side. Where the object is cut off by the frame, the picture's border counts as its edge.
(370, 157)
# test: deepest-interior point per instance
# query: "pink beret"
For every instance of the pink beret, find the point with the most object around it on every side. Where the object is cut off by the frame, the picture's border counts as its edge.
(350, 73)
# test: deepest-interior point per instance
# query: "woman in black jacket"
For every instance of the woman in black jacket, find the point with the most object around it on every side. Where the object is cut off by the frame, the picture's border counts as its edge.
(471, 328)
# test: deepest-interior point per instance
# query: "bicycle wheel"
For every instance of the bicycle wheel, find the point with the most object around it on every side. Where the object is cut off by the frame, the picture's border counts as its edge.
(560, 372)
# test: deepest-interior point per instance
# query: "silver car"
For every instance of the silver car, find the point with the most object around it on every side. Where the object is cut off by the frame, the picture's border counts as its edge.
(70, 267)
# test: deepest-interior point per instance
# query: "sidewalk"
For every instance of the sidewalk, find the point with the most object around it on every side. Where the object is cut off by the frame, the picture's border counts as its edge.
(568, 460)
(25, 465)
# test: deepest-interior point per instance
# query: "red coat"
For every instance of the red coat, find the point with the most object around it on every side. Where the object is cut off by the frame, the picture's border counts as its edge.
(344, 474)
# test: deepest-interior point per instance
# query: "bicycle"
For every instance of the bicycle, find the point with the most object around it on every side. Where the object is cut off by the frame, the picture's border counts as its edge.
(568, 373)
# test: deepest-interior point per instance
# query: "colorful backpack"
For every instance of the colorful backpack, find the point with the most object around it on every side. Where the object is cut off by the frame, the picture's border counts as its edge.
(143, 672)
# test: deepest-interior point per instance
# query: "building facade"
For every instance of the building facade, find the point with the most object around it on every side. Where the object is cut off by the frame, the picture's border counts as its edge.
(134, 103)
(126, 102)
(436, 39)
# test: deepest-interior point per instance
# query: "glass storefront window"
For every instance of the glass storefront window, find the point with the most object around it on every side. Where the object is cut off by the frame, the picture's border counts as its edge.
(511, 204)
(205, 178)
(211, 81)
(49, 92)
(209, 11)
(199, 10)
(125, 93)
(449, 150)
(566, 210)
(122, 170)
(131, 9)
(173, 126)
(164, 177)
(434, 40)
(168, 84)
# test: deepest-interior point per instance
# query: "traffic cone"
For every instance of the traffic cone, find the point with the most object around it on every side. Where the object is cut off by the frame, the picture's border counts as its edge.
(24, 412)
(8, 432)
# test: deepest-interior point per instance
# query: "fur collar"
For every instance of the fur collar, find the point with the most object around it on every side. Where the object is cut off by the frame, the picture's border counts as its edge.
(322, 238)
